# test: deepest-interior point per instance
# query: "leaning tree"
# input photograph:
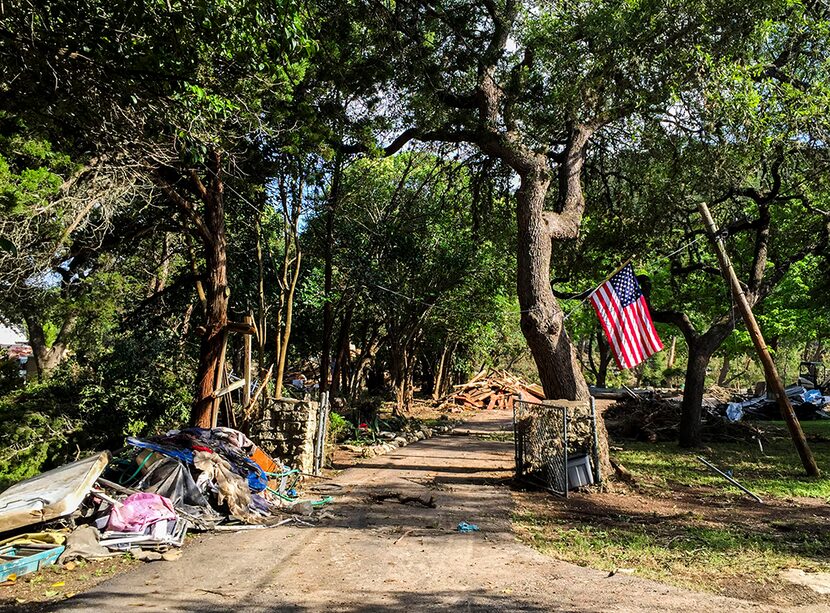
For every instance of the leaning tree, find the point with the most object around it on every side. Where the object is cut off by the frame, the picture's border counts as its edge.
(531, 84)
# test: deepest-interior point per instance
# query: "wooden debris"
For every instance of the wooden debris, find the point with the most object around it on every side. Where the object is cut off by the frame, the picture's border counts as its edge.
(424, 500)
(491, 389)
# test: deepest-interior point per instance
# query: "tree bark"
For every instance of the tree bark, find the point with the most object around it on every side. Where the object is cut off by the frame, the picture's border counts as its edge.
(542, 319)
(328, 255)
(217, 293)
(604, 358)
(723, 375)
(341, 366)
(672, 353)
(438, 380)
(47, 358)
(701, 349)
(261, 327)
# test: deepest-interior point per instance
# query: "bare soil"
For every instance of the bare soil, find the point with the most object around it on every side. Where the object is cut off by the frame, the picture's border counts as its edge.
(664, 516)
(58, 582)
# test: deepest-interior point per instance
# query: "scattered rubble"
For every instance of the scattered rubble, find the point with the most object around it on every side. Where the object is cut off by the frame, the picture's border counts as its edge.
(808, 404)
(144, 500)
(657, 419)
(394, 440)
(491, 389)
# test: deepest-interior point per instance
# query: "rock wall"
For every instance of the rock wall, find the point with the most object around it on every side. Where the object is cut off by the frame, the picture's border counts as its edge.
(286, 431)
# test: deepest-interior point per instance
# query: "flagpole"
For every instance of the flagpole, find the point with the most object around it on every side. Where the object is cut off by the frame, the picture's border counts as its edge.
(616, 270)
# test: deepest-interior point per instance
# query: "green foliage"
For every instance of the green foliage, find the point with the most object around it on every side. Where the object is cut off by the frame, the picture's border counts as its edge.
(339, 427)
(133, 388)
(10, 378)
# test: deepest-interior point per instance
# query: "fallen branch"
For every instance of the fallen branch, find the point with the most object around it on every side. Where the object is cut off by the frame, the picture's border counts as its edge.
(404, 499)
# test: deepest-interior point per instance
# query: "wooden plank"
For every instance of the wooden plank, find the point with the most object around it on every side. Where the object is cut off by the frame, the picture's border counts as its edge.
(246, 370)
(228, 388)
(241, 328)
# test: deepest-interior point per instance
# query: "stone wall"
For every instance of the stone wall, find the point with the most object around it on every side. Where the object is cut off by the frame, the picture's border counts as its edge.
(286, 431)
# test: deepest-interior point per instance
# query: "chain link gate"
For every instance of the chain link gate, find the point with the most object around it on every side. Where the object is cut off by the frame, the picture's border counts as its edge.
(546, 434)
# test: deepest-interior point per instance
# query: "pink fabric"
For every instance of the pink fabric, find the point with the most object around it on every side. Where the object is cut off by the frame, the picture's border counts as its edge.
(140, 510)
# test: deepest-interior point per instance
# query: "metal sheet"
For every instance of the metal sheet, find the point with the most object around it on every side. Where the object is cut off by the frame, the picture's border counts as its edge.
(52, 494)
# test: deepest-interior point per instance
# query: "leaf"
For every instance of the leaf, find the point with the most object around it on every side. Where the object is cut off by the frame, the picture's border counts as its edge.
(7, 246)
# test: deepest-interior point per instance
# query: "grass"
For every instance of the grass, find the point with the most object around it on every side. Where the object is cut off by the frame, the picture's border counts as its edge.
(687, 554)
(689, 527)
(776, 471)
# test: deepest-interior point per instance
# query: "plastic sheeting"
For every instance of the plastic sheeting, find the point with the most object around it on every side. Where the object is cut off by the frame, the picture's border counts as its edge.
(139, 511)
(172, 479)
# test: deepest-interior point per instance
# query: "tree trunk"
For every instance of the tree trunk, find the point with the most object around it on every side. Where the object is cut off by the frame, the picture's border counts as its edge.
(692, 406)
(261, 327)
(286, 333)
(723, 375)
(328, 307)
(438, 380)
(701, 349)
(542, 319)
(341, 366)
(672, 353)
(47, 358)
(604, 359)
(367, 350)
(216, 302)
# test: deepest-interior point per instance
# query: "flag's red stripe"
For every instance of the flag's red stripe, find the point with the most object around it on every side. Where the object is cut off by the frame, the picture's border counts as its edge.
(651, 333)
(618, 342)
(651, 325)
(622, 323)
(608, 325)
(613, 305)
(604, 322)
(642, 327)
(633, 327)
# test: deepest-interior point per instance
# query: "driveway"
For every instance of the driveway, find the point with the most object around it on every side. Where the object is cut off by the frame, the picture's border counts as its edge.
(389, 556)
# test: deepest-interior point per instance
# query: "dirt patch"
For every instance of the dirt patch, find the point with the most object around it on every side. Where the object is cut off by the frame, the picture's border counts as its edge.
(59, 582)
(691, 537)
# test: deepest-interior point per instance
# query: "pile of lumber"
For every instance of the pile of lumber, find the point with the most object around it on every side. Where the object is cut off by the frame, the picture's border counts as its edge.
(491, 389)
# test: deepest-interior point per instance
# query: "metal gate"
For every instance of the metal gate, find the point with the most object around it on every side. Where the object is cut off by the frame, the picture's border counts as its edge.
(546, 434)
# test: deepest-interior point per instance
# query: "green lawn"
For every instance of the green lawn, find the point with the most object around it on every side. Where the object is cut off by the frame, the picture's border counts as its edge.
(686, 526)
(775, 471)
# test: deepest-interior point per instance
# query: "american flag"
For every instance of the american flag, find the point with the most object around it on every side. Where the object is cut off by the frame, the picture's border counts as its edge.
(623, 313)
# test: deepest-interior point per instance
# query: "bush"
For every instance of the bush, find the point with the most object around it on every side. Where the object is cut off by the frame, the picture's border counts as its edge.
(133, 389)
(339, 427)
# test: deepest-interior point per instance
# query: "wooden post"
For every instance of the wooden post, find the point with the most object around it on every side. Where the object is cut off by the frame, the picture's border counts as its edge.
(220, 380)
(771, 373)
(672, 352)
(246, 390)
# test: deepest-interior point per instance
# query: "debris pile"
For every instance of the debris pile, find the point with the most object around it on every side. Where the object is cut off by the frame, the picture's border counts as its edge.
(807, 403)
(491, 389)
(146, 499)
(657, 420)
